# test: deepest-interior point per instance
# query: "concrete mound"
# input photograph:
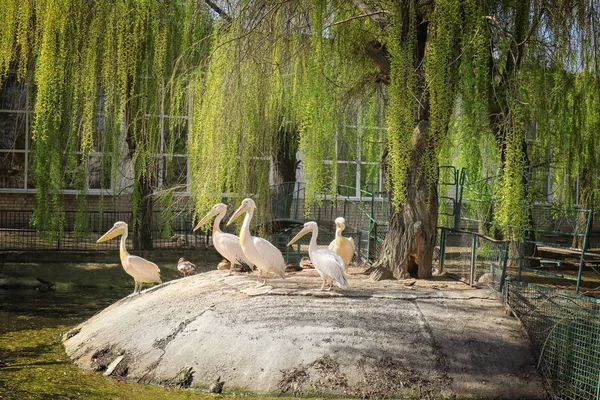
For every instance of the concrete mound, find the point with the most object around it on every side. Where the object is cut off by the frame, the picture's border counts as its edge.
(393, 342)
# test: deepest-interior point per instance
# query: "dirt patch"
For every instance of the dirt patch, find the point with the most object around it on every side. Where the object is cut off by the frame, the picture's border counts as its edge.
(385, 378)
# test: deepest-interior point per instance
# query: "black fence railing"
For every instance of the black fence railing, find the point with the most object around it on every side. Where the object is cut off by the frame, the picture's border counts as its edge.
(17, 232)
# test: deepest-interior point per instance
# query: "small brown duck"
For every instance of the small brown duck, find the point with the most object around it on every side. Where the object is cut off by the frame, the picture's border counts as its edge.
(217, 386)
(306, 263)
(186, 267)
(224, 265)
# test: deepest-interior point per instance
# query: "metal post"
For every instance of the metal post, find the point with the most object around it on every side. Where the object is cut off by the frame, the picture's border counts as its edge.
(442, 249)
(583, 247)
(521, 259)
(473, 260)
(458, 204)
(504, 264)
(359, 244)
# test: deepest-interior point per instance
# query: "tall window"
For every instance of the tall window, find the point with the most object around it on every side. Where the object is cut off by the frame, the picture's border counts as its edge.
(15, 127)
(172, 171)
(359, 146)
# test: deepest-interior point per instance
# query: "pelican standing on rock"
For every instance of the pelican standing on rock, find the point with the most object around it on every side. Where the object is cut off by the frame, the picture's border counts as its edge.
(142, 271)
(227, 245)
(327, 263)
(260, 252)
(343, 246)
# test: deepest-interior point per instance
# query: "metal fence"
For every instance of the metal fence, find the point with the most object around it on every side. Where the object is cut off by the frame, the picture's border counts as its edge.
(564, 329)
(472, 258)
(17, 232)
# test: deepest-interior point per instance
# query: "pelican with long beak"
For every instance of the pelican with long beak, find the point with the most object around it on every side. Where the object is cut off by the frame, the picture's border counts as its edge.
(343, 246)
(142, 271)
(327, 263)
(259, 251)
(227, 245)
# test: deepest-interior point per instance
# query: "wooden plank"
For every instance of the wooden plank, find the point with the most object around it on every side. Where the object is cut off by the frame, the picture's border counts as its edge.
(556, 261)
(565, 251)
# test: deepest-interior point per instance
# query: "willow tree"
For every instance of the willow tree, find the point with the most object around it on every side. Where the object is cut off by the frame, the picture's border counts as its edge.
(308, 62)
(100, 73)
(477, 61)
(536, 97)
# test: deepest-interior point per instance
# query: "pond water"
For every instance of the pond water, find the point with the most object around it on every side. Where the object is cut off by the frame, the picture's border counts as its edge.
(33, 364)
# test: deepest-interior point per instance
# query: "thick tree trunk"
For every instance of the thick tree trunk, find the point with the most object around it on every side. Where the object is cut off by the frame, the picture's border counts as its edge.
(410, 241)
(142, 238)
(283, 169)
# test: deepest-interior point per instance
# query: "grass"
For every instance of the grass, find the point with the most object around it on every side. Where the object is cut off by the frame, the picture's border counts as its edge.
(38, 367)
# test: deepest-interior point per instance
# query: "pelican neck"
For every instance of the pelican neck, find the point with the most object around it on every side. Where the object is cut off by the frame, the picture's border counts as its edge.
(217, 222)
(123, 240)
(312, 246)
(245, 231)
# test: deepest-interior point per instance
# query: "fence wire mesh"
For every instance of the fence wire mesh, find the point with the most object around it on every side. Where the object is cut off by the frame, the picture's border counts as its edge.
(17, 232)
(564, 329)
(472, 258)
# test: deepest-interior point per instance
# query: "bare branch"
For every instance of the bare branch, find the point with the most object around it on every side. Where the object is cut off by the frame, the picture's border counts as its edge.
(218, 10)
(533, 26)
(359, 16)
(375, 17)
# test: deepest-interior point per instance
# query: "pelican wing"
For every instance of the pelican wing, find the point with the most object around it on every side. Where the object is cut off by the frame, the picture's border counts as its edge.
(142, 270)
(229, 246)
(344, 247)
(270, 254)
(331, 265)
(332, 245)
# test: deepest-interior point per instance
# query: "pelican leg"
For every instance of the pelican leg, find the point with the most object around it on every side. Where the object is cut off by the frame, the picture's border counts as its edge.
(259, 279)
(323, 285)
(135, 288)
(231, 264)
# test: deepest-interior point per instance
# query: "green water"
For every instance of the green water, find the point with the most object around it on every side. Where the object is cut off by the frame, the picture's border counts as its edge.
(33, 363)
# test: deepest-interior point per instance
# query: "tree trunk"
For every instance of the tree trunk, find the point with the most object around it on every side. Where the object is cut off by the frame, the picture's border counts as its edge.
(142, 238)
(283, 169)
(410, 241)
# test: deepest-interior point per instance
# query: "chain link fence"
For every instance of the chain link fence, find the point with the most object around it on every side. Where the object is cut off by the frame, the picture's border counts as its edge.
(472, 258)
(17, 232)
(563, 327)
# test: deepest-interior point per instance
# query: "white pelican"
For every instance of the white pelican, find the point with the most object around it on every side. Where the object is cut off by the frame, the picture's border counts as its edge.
(343, 246)
(260, 252)
(185, 267)
(327, 263)
(227, 245)
(142, 271)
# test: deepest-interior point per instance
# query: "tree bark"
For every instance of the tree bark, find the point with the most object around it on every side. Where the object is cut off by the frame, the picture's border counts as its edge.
(283, 169)
(142, 238)
(142, 226)
(410, 241)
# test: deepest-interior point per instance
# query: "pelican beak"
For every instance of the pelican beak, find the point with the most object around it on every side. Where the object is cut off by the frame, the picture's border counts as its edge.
(303, 232)
(236, 214)
(203, 221)
(112, 233)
